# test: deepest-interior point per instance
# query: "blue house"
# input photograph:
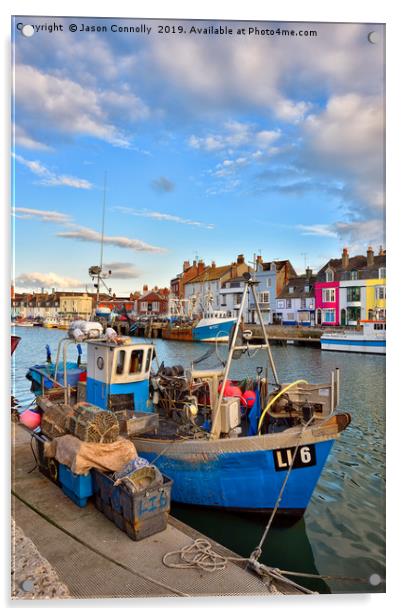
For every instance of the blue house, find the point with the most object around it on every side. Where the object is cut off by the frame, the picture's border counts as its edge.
(272, 276)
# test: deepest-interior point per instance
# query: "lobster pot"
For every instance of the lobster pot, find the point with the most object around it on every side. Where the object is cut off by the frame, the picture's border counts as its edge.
(93, 425)
(55, 420)
(137, 513)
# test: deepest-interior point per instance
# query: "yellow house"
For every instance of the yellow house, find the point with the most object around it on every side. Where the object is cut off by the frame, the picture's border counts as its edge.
(76, 306)
(375, 298)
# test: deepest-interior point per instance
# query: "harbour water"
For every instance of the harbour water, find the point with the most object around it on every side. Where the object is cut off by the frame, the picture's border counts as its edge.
(343, 530)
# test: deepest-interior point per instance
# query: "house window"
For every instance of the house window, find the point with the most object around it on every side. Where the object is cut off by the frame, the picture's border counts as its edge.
(144, 306)
(380, 292)
(307, 288)
(329, 275)
(268, 282)
(353, 294)
(382, 272)
(328, 295)
(155, 306)
(303, 302)
(280, 304)
(290, 289)
(288, 303)
(290, 316)
(353, 275)
(264, 298)
(329, 316)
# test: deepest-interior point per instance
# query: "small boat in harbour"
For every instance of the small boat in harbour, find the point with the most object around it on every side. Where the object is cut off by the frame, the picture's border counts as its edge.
(371, 338)
(250, 447)
(15, 340)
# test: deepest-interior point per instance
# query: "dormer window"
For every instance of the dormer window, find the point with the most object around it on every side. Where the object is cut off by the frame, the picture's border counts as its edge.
(329, 275)
(290, 289)
(382, 272)
(307, 288)
(273, 267)
(353, 275)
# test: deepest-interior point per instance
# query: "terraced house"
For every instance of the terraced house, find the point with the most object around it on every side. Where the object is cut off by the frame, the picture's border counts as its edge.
(351, 289)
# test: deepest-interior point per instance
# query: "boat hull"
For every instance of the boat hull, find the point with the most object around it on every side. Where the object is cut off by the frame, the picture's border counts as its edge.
(354, 345)
(212, 330)
(242, 477)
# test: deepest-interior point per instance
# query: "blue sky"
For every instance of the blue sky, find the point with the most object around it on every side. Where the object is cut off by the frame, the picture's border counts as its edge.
(213, 146)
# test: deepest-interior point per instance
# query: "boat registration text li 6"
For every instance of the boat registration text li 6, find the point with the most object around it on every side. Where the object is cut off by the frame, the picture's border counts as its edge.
(306, 456)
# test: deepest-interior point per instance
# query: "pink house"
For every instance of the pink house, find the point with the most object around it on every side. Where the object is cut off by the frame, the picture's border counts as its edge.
(327, 302)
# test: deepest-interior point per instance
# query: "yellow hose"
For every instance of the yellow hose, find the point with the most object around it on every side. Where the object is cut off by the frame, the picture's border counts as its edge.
(276, 397)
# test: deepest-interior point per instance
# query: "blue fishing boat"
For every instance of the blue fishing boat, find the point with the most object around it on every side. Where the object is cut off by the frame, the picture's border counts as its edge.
(250, 446)
(214, 326)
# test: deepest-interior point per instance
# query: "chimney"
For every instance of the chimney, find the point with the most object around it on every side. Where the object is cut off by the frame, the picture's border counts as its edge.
(200, 267)
(213, 264)
(234, 270)
(145, 288)
(370, 256)
(186, 265)
(308, 273)
(194, 263)
(345, 258)
(259, 259)
(381, 251)
(240, 259)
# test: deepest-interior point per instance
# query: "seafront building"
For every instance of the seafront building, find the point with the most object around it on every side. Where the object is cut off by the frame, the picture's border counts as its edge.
(351, 289)
(295, 305)
(271, 276)
(205, 289)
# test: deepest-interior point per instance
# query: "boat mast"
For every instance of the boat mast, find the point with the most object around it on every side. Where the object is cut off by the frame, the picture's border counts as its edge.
(102, 239)
(215, 430)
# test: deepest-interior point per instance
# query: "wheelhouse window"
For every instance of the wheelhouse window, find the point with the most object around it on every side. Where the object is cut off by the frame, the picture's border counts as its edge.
(120, 362)
(136, 361)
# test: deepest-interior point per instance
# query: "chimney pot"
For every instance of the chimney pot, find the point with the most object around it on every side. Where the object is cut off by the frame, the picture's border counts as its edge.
(240, 259)
(370, 256)
(345, 258)
(213, 264)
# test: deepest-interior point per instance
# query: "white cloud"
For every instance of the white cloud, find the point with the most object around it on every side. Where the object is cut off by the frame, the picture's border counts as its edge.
(23, 139)
(49, 280)
(63, 106)
(235, 135)
(346, 140)
(85, 234)
(163, 217)
(42, 215)
(49, 178)
(321, 230)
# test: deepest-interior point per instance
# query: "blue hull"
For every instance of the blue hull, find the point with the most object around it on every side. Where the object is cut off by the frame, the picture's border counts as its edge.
(244, 480)
(210, 333)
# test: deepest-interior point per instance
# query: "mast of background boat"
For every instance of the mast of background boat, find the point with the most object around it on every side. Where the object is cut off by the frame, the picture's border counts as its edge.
(102, 240)
(215, 433)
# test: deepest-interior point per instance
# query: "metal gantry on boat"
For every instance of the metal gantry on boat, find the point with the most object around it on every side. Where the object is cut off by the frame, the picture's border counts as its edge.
(224, 443)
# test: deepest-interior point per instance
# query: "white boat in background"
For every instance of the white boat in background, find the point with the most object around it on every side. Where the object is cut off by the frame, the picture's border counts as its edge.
(371, 339)
(23, 324)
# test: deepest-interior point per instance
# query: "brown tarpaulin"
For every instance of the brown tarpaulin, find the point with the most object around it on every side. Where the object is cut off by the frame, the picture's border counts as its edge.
(81, 457)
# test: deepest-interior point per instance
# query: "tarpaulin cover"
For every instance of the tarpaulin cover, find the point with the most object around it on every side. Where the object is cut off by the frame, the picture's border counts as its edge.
(81, 457)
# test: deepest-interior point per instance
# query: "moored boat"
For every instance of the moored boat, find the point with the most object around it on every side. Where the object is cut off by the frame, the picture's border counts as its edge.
(200, 431)
(370, 339)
